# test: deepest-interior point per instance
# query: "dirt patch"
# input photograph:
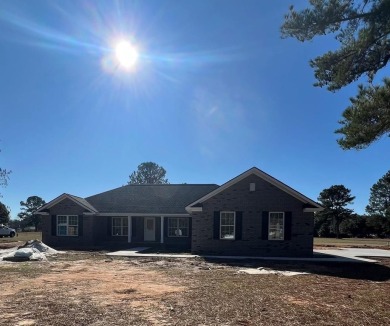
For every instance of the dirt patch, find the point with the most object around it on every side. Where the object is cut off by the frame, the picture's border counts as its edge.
(297, 301)
(104, 285)
(26, 322)
(122, 277)
(8, 245)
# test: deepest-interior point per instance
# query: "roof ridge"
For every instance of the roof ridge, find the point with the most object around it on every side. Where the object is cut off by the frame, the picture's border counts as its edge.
(170, 184)
(75, 196)
(152, 184)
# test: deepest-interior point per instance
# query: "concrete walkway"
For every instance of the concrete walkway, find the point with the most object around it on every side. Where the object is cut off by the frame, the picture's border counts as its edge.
(332, 255)
(137, 252)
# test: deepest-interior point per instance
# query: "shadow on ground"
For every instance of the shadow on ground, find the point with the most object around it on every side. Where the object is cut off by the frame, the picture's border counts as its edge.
(379, 272)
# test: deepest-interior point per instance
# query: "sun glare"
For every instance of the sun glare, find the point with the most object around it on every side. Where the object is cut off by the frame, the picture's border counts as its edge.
(126, 54)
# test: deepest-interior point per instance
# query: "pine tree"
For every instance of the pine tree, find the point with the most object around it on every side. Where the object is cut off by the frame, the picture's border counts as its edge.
(4, 214)
(379, 202)
(28, 209)
(334, 200)
(362, 29)
(148, 173)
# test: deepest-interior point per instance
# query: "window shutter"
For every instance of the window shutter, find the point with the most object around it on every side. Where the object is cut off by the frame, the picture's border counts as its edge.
(264, 225)
(81, 219)
(166, 222)
(238, 231)
(133, 227)
(109, 226)
(54, 225)
(190, 226)
(217, 221)
(287, 225)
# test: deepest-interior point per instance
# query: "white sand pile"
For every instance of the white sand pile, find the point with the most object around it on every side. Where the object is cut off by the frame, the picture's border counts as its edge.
(34, 250)
(4, 252)
(40, 246)
(268, 271)
(24, 254)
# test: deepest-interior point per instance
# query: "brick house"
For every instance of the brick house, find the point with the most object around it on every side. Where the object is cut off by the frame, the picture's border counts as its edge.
(252, 214)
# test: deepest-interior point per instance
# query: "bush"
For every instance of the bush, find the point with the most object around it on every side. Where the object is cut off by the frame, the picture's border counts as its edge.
(378, 226)
(355, 227)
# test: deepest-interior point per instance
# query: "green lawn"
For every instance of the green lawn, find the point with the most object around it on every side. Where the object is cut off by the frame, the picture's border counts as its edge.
(352, 242)
(23, 236)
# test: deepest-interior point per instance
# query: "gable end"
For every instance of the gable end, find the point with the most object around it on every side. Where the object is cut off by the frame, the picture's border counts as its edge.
(310, 204)
(77, 200)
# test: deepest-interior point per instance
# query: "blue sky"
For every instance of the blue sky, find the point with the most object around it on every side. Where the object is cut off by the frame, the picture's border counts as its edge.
(215, 91)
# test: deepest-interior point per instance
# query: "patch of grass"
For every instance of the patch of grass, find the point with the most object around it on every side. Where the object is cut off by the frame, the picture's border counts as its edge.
(25, 269)
(63, 310)
(352, 242)
(126, 291)
(78, 255)
(23, 236)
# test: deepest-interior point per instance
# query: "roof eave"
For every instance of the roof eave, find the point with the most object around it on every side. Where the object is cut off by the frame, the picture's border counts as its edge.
(313, 209)
(190, 209)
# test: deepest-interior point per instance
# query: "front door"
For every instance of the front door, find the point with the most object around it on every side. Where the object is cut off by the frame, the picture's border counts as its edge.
(149, 229)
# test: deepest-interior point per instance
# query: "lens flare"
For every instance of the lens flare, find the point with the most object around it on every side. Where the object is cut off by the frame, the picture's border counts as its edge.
(126, 54)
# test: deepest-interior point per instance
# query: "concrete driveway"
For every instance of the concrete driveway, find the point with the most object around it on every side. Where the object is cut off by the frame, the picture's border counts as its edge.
(356, 254)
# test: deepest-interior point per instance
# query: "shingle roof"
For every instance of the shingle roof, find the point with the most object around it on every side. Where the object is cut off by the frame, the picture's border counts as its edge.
(152, 199)
(83, 202)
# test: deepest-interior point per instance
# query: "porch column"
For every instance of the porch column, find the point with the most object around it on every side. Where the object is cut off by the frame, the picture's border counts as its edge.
(129, 228)
(162, 229)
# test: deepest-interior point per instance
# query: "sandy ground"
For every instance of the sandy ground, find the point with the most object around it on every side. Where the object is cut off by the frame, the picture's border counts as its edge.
(106, 284)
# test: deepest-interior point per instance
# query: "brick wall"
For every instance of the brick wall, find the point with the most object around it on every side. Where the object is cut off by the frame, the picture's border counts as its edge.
(103, 233)
(266, 197)
(68, 207)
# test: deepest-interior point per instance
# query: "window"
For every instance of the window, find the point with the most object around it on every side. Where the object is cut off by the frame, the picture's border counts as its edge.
(67, 225)
(178, 227)
(227, 225)
(120, 226)
(276, 226)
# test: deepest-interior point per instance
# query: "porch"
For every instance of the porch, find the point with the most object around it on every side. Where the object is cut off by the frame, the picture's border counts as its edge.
(150, 230)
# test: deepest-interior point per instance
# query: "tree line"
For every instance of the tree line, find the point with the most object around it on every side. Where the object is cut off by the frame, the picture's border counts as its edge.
(337, 220)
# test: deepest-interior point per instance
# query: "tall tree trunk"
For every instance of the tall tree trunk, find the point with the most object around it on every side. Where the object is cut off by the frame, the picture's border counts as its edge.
(337, 228)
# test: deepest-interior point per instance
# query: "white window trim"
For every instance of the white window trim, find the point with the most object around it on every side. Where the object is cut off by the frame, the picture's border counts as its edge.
(220, 225)
(284, 225)
(67, 225)
(122, 227)
(179, 236)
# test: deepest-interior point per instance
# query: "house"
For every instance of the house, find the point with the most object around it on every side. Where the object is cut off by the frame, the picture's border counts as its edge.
(252, 214)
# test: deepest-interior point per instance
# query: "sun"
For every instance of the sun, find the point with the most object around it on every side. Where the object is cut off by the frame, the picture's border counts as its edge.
(126, 54)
